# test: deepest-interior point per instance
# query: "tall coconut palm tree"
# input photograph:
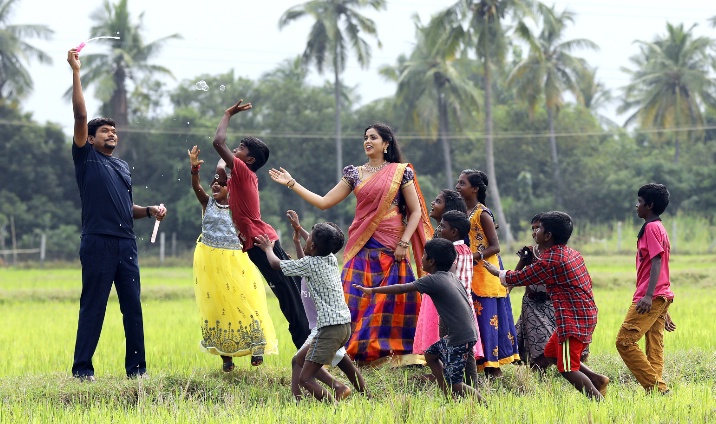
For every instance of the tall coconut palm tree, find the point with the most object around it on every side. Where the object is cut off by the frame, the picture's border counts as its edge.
(15, 52)
(335, 33)
(548, 72)
(433, 76)
(481, 24)
(671, 84)
(127, 61)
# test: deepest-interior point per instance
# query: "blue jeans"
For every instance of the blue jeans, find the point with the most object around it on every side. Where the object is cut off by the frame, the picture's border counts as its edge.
(106, 260)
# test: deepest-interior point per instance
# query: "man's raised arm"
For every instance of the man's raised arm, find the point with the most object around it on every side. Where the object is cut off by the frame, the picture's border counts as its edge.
(78, 100)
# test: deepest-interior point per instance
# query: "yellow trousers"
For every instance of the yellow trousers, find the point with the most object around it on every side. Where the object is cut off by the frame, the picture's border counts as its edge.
(646, 366)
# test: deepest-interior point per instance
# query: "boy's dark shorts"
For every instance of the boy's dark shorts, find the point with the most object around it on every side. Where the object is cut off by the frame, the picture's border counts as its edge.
(329, 339)
(453, 358)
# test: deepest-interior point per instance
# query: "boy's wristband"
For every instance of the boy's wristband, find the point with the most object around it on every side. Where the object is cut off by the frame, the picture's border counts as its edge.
(149, 212)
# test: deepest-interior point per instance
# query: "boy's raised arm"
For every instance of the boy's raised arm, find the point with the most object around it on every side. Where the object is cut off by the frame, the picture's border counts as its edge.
(78, 100)
(220, 136)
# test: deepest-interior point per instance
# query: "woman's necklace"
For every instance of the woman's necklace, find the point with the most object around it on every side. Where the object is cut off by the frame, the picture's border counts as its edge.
(472, 211)
(373, 169)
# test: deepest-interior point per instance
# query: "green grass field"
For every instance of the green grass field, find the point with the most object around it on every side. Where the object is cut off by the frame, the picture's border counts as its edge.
(39, 319)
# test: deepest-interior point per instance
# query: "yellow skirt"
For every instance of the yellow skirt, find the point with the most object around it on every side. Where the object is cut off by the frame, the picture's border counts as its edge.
(230, 294)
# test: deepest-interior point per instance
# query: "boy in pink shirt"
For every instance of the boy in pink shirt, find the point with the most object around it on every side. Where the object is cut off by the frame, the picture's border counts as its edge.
(648, 315)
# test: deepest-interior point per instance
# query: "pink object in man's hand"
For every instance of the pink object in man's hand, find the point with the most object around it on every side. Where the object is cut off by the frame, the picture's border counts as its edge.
(80, 47)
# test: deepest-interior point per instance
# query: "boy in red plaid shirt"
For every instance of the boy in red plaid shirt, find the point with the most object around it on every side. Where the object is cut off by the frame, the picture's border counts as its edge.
(569, 285)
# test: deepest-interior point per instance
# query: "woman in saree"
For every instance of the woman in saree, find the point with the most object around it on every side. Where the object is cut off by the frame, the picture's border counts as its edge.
(390, 217)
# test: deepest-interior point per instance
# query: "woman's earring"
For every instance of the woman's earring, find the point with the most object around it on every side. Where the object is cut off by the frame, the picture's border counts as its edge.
(385, 150)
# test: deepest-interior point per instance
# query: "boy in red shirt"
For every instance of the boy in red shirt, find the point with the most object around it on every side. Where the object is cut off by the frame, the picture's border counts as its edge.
(241, 166)
(569, 286)
(648, 315)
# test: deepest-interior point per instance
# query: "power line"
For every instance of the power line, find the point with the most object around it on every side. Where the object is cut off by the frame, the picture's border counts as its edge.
(465, 135)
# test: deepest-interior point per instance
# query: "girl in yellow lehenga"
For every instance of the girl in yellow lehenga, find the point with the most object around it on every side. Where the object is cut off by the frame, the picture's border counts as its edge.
(227, 285)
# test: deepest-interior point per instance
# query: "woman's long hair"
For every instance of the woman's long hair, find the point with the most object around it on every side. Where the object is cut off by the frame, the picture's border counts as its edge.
(394, 155)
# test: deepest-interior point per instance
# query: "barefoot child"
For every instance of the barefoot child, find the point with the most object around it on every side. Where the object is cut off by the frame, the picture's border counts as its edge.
(341, 359)
(569, 285)
(491, 301)
(228, 288)
(648, 315)
(455, 227)
(242, 164)
(426, 329)
(333, 318)
(447, 357)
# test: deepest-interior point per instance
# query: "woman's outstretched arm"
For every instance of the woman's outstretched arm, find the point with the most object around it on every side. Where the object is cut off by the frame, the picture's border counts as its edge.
(332, 198)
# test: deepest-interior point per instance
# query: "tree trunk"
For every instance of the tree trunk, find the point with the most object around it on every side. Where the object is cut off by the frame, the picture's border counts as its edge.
(444, 142)
(678, 127)
(339, 143)
(490, 158)
(120, 114)
(557, 175)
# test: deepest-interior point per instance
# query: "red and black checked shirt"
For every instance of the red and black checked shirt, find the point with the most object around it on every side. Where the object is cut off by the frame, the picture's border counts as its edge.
(569, 285)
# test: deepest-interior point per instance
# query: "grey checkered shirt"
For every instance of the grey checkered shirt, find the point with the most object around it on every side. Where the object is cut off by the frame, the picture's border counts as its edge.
(324, 283)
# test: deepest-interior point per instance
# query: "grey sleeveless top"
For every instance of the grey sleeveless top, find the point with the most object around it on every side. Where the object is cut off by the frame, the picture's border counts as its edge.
(217, 228)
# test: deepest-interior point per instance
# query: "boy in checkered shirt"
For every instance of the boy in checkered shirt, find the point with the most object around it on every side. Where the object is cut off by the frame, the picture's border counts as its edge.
(320, 269)
(569, 286)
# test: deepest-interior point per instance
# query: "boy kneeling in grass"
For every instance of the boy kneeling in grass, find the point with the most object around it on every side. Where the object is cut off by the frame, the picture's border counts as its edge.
(320, 268)
(446, 357)
(569, 286)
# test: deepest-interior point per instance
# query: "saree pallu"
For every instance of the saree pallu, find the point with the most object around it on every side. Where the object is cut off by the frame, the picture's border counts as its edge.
(497, 331)
(383, 325)
(232, 303)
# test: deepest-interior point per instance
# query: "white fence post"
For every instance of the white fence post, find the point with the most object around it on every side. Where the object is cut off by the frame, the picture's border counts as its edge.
(43, 244)
(161, 248)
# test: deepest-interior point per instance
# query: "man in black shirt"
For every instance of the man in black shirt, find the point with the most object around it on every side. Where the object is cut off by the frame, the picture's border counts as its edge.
(108, 249)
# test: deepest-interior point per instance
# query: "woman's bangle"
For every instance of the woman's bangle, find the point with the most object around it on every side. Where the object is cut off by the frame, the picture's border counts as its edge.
(195, 169)
(296, 227)
(291, 183)
(481, 257)
(403, 243)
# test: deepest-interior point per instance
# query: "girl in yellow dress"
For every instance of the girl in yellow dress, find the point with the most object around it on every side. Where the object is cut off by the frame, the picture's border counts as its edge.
(228, 287)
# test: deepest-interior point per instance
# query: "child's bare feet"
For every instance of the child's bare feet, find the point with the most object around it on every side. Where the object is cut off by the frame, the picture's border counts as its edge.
(342, 392)
(491, 372)
(601, 383)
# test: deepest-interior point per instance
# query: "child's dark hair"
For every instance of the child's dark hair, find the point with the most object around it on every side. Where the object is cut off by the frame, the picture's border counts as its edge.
(96, 123)
(442, 252)
(478, 179)
(559, 224)
(394, 153)
(257, 150)
(327, 238)
(342, 238)
(453, 201)
(458, 220)
(656, 195)
(535, 218)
